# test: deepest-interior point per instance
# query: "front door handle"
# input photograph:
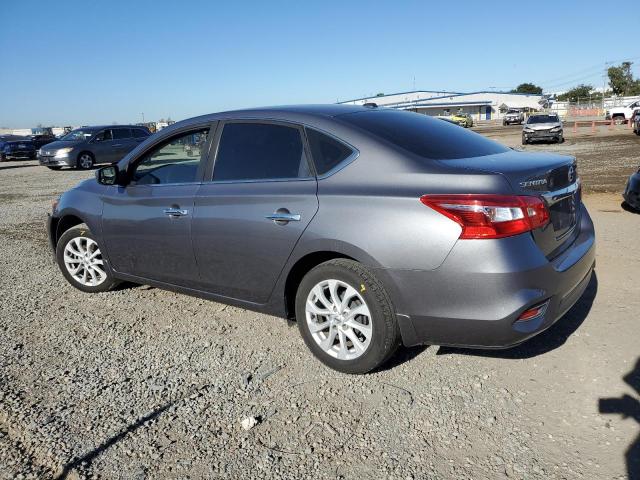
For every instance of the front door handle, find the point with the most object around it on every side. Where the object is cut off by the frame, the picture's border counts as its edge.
(117, 145)
(283, 216)
(175, 212)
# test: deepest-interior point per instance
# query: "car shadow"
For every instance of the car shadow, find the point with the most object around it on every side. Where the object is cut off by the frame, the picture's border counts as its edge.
(402, 355)
(8, 167)
(628, 208)
(628, 407)
(548, 340)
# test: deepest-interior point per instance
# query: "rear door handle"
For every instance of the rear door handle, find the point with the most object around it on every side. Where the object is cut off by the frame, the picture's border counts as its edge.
(175, 212)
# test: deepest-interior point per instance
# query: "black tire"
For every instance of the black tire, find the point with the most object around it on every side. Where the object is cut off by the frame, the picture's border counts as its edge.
(82, 233)
(3, 158)
(524, 140)
(385, 337)
(54, 168)
(85, 161)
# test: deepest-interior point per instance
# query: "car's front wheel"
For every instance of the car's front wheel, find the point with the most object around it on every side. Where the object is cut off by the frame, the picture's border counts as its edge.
(524, 140)
(85, 161)
(346, 317)
(81, 261)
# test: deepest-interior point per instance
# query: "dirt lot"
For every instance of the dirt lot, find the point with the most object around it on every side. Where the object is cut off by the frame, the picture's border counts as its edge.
(142, 383)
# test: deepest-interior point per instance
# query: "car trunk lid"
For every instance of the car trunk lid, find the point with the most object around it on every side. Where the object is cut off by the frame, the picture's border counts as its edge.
(553, 177)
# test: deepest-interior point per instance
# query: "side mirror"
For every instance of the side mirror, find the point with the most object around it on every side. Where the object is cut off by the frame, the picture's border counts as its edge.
(107, 175)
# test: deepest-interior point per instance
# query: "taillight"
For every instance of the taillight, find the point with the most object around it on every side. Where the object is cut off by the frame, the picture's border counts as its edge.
(491, 216)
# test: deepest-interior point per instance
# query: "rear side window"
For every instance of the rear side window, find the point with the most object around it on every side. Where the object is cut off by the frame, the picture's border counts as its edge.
(140, 133)
(260, 151)
(119, 133)
(422, 135)
(326, 151)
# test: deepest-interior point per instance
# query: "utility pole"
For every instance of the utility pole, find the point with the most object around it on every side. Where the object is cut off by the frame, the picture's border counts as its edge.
(604, 81)
(142, 113)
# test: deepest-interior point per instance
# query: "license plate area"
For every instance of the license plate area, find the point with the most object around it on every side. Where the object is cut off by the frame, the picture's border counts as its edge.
(564, 214)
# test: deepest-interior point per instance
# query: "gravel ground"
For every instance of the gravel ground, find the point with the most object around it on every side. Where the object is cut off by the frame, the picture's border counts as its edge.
(142, 383)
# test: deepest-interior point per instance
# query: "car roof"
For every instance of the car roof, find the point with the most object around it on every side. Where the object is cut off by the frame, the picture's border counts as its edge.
(101, 127)
(299, 113)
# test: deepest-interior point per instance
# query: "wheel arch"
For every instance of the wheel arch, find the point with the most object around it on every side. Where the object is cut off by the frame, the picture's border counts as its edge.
(66, 222)
(299, 269)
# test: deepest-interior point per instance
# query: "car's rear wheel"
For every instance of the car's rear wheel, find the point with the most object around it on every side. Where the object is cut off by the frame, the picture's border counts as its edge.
(346, 317)
(85, 161)
(81, 261)
(54, 168)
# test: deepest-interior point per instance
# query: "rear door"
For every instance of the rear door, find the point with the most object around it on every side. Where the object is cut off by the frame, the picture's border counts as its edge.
(249, 216)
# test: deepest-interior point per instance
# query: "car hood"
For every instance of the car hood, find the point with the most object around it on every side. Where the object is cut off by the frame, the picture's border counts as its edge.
(542, 126)
(58, 144)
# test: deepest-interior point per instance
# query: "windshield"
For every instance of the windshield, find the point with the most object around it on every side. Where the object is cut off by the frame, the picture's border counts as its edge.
(422, 135)
(543, 119)
(513, 112)
(79, 134)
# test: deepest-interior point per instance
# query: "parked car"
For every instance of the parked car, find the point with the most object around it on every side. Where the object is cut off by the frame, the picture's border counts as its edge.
(513, 116)
(448, 120)
(371, 227)
(3, 140)
(543, 126)
(14, 149)
(463, 119)
(631, 193)
(622, 114)
(42, 140)
(635, 121)
(87, 146)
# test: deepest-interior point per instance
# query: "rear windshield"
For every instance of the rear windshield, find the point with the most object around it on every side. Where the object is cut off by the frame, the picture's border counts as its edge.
(543, 119)
(424, 136)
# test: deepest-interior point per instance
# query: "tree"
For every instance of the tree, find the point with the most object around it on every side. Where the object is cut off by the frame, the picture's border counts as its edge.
(576, 93)
(527, 88)
(622, 81)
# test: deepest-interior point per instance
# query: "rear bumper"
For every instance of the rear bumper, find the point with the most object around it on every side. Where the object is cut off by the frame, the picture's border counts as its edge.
(476, 296)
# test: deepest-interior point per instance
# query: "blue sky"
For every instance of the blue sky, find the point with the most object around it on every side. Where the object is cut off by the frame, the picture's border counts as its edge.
(82, 62)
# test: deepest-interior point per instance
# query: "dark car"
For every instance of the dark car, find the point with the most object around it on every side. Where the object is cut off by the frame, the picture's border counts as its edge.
(19, 149)
(3, 141)
(369, 226)
(631, 193)
(87, 146)
(42, 140)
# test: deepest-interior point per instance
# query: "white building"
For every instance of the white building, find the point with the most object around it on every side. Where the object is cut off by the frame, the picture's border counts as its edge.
(480, 105)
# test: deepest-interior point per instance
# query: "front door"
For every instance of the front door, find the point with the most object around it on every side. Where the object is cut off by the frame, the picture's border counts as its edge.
(249, 218)
(147, 224)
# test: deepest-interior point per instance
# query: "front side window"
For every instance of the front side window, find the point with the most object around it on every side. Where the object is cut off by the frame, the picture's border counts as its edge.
(260, 151)
(174, 161)
(326, 151)
(104, 135)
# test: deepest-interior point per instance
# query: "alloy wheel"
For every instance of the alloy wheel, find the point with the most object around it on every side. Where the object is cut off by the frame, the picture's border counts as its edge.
(83, 260)
(339, 319)
(86, 162)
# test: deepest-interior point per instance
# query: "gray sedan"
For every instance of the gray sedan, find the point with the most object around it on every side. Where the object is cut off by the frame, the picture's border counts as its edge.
(370, 227)
(87, 146)
(543, 126)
